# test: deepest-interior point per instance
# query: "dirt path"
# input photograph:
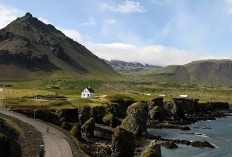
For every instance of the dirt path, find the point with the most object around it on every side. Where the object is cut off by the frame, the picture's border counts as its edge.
(54, 141)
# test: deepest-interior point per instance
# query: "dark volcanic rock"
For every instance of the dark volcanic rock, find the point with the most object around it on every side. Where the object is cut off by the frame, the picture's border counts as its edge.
(88, 128)
(123, 143)
(76, 131)
(153, 150)
(155, 102)
(185, 128)
(84, 114)
(110, 120)
(202, 144)
(98, 112)
(70, 115)
(170, 145)
(136, 120)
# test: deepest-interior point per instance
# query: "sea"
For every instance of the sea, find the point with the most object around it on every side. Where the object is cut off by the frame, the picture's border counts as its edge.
(217, 132)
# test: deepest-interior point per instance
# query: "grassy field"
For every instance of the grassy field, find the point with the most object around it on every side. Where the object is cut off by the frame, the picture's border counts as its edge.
(23, 94)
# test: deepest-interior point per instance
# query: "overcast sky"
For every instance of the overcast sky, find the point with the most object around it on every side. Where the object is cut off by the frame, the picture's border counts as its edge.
(160, 32)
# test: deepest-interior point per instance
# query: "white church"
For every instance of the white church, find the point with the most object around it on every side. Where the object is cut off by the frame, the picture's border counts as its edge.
(88, 92)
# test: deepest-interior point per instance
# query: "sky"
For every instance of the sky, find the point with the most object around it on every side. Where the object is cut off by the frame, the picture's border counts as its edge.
(159, 32)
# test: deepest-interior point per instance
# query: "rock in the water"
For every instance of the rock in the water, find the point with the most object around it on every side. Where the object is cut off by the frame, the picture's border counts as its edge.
(136, 120)
(88, 128)
(185, 128)
(123, 143)
(76, 131)
(153, 150)
(202, 144)
(84, 114)
(170, 145)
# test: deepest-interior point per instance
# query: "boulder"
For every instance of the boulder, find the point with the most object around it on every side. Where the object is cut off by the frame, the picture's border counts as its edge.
(153, 150)
(110, 120)
(155, 102)
(84, 114)
(202, 144)
(70, 115)
(76, 131)
(185, 128)
(136, 120)
(98, 112)
(88, 128)
(123, 143)
(158, 113)
(117, 109)
(170, 145)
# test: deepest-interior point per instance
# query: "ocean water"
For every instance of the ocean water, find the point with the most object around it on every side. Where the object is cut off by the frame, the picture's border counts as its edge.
(219, 135)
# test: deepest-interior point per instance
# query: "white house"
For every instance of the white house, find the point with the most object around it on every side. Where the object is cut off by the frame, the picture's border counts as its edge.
(88, 92)
(183, 96)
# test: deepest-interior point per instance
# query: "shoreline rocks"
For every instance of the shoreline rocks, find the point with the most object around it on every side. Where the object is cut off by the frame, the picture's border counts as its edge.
(153, 150)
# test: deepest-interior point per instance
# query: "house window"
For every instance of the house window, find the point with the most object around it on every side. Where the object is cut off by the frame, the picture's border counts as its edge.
(88, 95)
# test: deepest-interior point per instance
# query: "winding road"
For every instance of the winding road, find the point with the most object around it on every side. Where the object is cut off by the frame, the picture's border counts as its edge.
(55, 143)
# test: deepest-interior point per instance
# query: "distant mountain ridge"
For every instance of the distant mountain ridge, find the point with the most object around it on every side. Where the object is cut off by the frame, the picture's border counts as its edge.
(119, 63)
(203, 72)
(30, 49)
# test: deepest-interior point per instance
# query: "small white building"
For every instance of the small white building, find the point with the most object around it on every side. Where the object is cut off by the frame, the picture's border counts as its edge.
(183, 96)
(88, 92)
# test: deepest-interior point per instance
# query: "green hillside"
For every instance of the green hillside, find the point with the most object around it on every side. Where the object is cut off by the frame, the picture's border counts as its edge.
(202, 72)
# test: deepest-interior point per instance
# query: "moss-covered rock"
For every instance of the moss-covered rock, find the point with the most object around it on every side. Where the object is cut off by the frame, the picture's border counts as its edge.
(155, 102)
(98, 112)
(88, 128)
(84, 114)
(123, 143)
(110, 120)
(136, 120)
(71, 115)
(159, 113)
(117, 109)
(76, 131)
(153, 150)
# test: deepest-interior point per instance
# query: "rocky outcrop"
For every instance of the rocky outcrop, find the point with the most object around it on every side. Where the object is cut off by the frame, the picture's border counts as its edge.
(153, 150)
(169, 145)
(88, 128)
(136, 120)
(84, 114)
(123, 143)
(98, 112)
(202, 144)
(117, 109)
(110, 120)
(70, 115)
(76, 131)
(155, 102)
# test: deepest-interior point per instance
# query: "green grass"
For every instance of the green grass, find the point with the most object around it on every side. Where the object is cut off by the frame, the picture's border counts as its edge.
(13, 125)
(22, 94)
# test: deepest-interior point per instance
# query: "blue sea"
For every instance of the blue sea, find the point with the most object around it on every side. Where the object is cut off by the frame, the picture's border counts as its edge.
(220, 135)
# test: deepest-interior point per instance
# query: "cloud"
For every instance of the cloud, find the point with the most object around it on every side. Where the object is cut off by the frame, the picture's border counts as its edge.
(125, 7)
(75, 35)
(8, 14)
(229, 6)
(91, 22)
(152, 54)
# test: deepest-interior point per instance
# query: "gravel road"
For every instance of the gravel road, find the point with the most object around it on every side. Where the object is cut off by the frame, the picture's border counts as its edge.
(54, 141)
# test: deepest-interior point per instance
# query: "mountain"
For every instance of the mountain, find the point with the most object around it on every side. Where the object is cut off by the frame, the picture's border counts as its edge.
(202, 72)
(119, 63)
(30, 49)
